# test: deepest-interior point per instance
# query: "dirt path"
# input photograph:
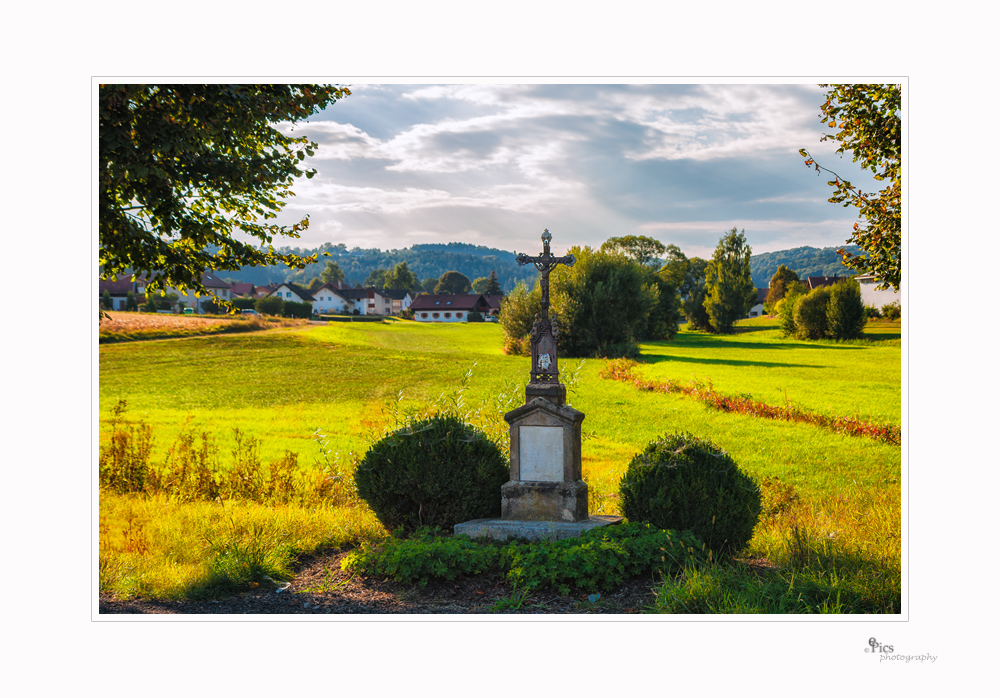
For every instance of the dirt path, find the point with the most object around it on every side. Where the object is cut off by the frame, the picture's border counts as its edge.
(320, 586)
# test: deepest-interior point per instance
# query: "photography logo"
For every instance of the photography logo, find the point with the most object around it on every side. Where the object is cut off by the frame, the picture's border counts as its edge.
(875, 646)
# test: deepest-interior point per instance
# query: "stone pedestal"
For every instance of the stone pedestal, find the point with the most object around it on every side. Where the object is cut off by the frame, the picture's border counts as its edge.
(546, 496)
(553, 392)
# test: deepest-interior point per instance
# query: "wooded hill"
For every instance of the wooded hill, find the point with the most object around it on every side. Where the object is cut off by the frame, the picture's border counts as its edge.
(425, 261)
(433, 260)
(804, 261)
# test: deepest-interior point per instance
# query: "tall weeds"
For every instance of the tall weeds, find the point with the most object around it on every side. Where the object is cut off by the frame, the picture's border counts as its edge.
(192, 469)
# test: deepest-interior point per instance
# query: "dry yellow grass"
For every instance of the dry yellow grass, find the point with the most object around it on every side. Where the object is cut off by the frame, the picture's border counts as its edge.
(122, 326)
(139, 322)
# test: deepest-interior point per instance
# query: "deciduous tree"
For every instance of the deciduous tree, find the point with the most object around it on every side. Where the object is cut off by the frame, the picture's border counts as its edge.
(453, 282)
(184, 168)
(332, 273)
(644, 250)
(730, 292)
(400, 278)
(781, 280)
(866, 119)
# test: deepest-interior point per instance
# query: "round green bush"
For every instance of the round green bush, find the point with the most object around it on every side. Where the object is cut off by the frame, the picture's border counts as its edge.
(681, 482)
(433, 472)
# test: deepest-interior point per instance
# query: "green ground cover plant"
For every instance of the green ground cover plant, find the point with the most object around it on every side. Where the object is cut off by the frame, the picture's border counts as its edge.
(599, 560)
(326, 393)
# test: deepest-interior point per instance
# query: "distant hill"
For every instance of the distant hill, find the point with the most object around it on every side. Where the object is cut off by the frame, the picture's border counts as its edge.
(433, 260)
(804, 261)
(426, 261)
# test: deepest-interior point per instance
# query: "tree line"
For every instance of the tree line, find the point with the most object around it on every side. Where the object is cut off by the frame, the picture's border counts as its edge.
(634, 288)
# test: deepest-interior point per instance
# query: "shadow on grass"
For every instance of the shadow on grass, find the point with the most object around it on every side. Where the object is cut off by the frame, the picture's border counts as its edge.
(657, 358)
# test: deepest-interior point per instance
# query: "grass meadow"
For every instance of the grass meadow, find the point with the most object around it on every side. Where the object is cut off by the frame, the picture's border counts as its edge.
(292, 409)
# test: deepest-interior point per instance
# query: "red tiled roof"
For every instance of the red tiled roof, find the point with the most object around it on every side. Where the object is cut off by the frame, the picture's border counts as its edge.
(450, 302)
(117, 287)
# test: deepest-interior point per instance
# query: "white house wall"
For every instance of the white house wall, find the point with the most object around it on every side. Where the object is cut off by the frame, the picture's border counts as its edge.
(871, 296)
(441, 315)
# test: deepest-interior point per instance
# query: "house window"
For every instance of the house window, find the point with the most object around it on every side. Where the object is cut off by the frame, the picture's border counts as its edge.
(435, 316)
(458, 315)
(447, 315)
(423, 314)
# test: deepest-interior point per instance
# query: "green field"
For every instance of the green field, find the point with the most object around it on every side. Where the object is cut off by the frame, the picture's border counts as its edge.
(347, 380)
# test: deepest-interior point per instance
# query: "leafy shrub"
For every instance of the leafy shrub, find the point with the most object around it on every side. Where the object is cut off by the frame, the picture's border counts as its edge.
(694, 310)
(810, 314)
(872, 313)
(517, 314)
(424, 557)
(297, 310)
(271, 305)
(244, 302)
(785, 308)
(845, 315)
(433, 472)
(475, 317)
(681, 482)
(892, 311)
(599, 559)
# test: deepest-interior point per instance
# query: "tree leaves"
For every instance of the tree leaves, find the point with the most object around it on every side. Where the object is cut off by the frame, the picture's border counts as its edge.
(184, 168)
(870, 129)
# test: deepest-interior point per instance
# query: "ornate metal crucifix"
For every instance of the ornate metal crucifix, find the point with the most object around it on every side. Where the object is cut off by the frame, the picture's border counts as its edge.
(545, 331)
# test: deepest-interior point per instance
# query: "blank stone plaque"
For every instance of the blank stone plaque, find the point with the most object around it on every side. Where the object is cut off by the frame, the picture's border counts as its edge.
(541, 454)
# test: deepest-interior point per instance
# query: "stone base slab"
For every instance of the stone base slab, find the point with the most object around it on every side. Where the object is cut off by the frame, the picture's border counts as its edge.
(544, 501)
(504, 529)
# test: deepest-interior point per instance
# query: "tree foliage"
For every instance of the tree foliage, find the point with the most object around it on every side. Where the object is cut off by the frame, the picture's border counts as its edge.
(400, 278)
(493, 287)
(644, 250)
(453, 282)
(730, 292)
(332, 273)
(603, 302)
(810, 313)
(183, 168)
(780, 283)
(517, 315)
(866, 119)
(845, 314)
(375, 279)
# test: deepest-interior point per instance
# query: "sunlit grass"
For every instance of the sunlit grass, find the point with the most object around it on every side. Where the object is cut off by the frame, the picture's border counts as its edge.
(161, 548)
(347, 379)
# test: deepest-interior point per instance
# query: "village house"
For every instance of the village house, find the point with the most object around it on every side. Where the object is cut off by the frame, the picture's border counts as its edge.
(448, 308)
(118, 289)
(758, 308)
(368, 301)
(292, 292)
(401, 300)
(330, 298)
(873, 296)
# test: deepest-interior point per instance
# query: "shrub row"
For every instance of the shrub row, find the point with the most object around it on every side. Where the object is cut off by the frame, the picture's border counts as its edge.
(834, 312)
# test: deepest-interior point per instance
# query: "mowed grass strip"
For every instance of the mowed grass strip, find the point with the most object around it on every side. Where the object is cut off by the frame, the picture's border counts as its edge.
(849, 379)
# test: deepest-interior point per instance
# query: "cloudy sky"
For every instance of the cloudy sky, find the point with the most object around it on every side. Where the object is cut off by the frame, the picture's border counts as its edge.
(495, 164)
